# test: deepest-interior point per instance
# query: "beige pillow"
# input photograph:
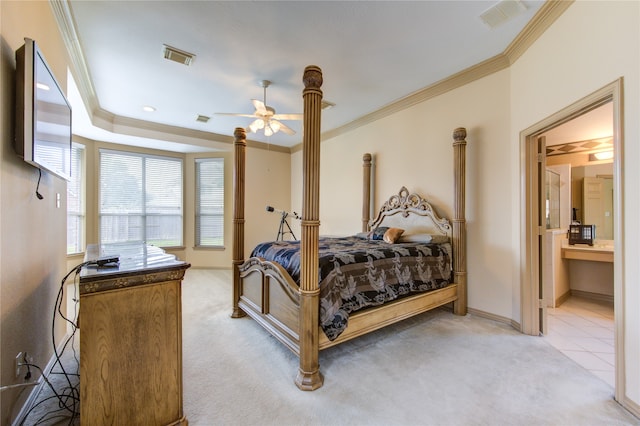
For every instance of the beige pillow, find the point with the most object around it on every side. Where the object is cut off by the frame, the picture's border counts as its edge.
(392, 235)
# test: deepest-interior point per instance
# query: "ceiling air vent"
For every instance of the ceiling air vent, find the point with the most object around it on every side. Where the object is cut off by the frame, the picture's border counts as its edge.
(326, 105)
(177, 55)
(203, 118)
(501, 12)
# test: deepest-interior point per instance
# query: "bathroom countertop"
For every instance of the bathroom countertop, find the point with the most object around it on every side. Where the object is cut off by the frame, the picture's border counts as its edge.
(600, 251)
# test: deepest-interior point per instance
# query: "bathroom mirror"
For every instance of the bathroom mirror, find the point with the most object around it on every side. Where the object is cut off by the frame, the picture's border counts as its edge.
(552, 199)
(593, 198)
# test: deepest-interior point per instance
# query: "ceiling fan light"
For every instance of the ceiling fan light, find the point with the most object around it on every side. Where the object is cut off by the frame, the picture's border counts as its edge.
(268, 131)
(274, 125)
(256, 125)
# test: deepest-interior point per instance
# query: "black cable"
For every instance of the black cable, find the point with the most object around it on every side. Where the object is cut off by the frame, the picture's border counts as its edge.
(59, 299)
(39, 195)
(68, 399)
(62, 399)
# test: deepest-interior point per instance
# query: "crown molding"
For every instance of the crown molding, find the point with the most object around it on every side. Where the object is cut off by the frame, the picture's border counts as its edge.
(542, 20)
(148, 129)
(119, 124)
(483, 69)
(79, 69)
(549, 12)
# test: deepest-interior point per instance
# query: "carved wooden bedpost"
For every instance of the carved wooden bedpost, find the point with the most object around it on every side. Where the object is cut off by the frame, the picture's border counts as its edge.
(240, 145)
(309, 377)
(366, 191)
(459, 221)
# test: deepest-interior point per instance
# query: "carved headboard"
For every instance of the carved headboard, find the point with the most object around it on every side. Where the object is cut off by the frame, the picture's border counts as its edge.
(412, 213)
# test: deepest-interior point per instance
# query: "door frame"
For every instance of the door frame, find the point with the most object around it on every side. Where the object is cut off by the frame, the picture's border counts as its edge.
(529, 250)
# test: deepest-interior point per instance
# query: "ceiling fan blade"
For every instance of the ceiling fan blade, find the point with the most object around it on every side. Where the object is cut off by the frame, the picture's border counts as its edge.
(259, 106)
(284, 128)
(287, 116)
(236, 115)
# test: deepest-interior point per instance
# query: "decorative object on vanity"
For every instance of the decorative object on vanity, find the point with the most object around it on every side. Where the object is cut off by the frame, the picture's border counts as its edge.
(582, 234)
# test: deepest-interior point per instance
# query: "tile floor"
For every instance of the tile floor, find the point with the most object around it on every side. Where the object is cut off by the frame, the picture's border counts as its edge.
(582, 329)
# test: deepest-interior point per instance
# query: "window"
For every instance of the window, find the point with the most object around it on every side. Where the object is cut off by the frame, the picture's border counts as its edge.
(140, 198)
(209, 202)
(75, 201)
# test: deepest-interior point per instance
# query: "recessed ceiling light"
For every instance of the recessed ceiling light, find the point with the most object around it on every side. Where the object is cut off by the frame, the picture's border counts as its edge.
(148, 108)
(42, 86)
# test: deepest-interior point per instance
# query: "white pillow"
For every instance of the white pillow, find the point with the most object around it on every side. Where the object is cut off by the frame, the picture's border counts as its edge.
(423, 238)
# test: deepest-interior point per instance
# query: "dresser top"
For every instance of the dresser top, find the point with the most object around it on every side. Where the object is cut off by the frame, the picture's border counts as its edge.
(135, 259)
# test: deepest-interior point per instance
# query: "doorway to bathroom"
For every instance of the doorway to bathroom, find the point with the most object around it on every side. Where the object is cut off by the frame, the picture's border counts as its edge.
(578, 278)
(541, 303)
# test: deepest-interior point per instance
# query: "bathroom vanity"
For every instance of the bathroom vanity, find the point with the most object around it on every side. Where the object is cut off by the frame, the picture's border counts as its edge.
(590, 268)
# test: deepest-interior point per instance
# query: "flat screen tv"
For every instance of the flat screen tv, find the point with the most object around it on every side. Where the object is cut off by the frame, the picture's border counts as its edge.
(43, 114)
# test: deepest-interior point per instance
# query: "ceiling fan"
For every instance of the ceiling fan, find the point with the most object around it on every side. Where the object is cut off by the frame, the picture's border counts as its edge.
(265, 116)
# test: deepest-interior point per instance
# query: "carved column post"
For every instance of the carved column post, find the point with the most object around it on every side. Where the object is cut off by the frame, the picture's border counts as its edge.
(366, 191)
(459, 221)
(309, 377)
(240, 145)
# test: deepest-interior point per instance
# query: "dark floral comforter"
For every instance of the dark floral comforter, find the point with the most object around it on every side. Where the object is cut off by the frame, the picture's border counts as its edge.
(356, 273)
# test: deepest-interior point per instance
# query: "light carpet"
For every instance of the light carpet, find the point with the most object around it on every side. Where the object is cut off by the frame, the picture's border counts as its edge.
(433, 369)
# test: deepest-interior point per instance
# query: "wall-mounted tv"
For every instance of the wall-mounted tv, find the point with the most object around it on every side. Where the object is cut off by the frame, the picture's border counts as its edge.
(43, 114)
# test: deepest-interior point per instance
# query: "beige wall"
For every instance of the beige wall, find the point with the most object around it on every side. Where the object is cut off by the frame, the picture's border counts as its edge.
(591, 45)
(33, 232)
(414, 148)
(268, 181)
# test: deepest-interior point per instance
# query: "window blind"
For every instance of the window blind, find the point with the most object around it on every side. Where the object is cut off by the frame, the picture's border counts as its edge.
(209, 202)
(76, 201)
(140, 198)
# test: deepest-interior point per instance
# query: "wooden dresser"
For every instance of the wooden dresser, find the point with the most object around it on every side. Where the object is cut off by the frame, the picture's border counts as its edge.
(131, 337)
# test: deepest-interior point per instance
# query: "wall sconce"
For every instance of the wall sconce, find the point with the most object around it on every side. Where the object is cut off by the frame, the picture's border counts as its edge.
(599, 156)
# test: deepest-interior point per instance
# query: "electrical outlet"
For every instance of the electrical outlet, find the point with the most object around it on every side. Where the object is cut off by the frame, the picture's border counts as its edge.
(19, 361)
(22, 359)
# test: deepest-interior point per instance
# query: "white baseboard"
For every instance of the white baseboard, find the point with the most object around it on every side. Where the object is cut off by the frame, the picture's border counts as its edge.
(632, 407)
(494, 317)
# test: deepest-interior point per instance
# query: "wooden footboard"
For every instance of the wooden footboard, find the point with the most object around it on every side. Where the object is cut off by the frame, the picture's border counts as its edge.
(374, 318)
(271, 297)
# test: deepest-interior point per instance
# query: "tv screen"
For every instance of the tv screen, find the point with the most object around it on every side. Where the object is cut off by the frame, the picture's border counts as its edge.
(43, 117)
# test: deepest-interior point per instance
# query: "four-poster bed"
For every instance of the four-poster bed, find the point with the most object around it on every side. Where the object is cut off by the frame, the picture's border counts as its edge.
(295, 311)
